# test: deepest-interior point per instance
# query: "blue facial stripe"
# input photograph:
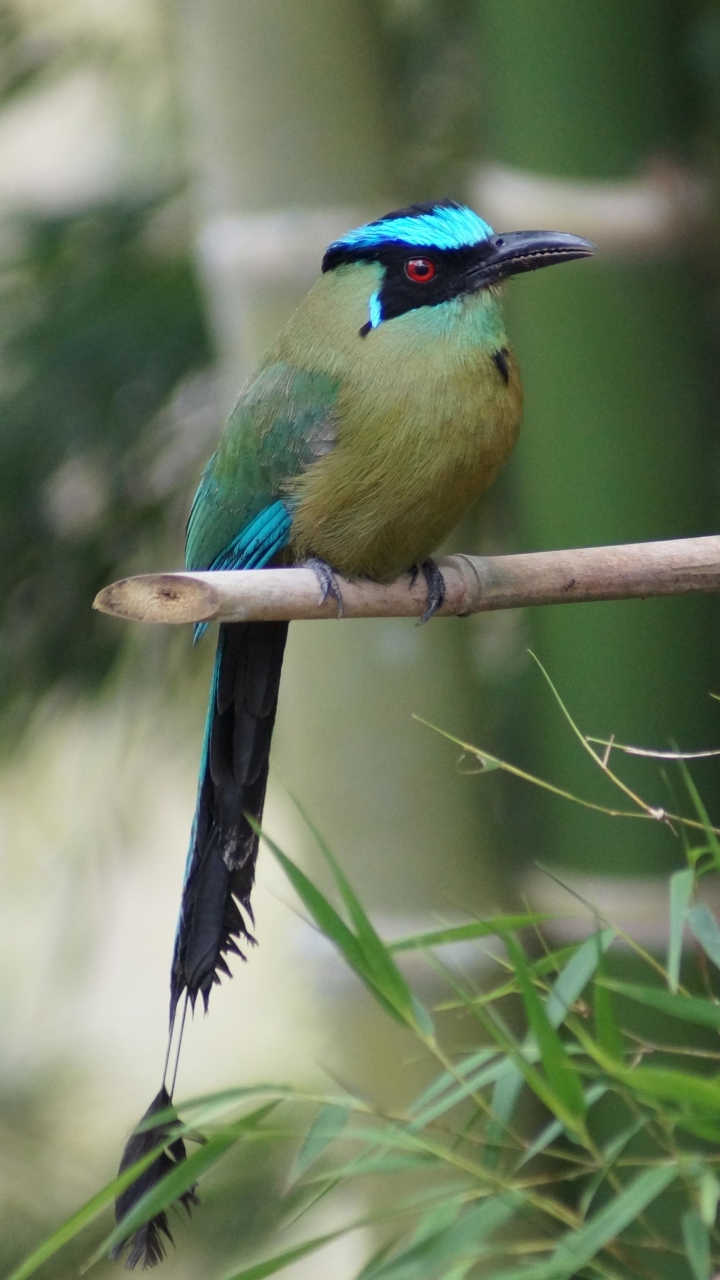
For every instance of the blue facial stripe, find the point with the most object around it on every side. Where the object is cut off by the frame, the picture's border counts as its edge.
(375, 310)
(254, 546)
(446, 227)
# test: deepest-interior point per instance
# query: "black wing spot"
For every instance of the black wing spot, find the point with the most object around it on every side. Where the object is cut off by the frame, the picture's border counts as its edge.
(500, 359)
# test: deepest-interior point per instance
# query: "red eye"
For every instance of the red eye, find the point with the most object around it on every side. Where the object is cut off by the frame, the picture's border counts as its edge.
(420, 270)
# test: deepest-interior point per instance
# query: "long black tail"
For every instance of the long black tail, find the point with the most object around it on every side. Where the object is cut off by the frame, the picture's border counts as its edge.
(215, 912)
(221, 865)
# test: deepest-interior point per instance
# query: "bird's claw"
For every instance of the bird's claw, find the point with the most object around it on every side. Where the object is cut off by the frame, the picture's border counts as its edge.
(435, 584)
(327, 580)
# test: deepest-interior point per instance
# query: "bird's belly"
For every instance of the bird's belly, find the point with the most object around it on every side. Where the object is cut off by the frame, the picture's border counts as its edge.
(381, 502)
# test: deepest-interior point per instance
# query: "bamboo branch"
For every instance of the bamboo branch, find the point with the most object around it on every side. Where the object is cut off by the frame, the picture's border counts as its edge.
(473, 584)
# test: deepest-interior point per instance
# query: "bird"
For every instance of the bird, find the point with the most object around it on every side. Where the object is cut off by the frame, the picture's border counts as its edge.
(383, 409)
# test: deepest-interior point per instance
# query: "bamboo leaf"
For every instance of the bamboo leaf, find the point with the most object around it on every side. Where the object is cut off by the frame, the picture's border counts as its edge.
(700, 1126)
(681, 887)
(457, 1243)
(334, 927)
(326, 1127)
(478, 1080)
(466, 932)
(502, 1106)
(702, 813)
(84, 1216)
(612, 1150)
(521, 1057)
(386, 976)
(325, 915)
(697, 1244)
(368, 1163)
(182, 1177)
(555, 1128)
(569, 985)
(437, 1219)
(679, 1087)
(606, 1024)
(270, 1267)
(709, 1189)
(705, 927)
(559, 1069)
(448, 1079)
(688, 1008)
(578, 1248)
(575, 976)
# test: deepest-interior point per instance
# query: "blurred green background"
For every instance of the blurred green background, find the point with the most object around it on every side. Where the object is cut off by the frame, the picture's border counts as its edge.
(169, 175)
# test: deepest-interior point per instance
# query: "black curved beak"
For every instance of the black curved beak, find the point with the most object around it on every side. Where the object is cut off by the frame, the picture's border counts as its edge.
(513, 252)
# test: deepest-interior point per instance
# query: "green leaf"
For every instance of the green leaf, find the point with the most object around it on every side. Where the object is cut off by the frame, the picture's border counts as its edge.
(457, 1243)
(560, 1071)
(606, 1024)
(326, 1127)
(521, 1057)
(385, 975)
(466, 932)
(705, 927)
(84, 1216)
(680, 1087)
(477, 1080)
(611, 1151)
(702, 813)
(697, 1244)
(555, 1128)
(333, 927)
(569, 985)
(379, 1164)
(271, 1266)
(699, 1126)
(709, 1193)
(437, 1219)
(502, 1105)
(182, 1177)
(578, 1248)
(681, 887)
(449, 1079)
(575, 976)
(688, 1008)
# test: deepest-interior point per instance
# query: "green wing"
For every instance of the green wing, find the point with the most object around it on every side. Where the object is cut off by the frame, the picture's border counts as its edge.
(283, 421)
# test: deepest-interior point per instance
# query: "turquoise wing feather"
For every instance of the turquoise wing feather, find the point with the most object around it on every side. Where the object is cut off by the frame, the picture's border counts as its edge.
(283, 422)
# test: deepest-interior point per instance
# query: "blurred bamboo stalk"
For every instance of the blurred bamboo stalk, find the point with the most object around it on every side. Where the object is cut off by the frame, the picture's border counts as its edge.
(597, 93)
(473, 584)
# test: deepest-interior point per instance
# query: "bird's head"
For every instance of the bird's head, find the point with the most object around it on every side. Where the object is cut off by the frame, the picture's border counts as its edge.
(433, 254)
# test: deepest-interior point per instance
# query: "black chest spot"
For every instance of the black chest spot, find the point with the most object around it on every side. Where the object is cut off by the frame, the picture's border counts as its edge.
(501, 362)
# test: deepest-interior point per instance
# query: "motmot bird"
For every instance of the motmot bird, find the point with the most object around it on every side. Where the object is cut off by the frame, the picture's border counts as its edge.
(384, 408)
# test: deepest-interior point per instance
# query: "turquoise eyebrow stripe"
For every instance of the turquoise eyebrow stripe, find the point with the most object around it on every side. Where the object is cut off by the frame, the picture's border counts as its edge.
(375, 310)
(444, 228)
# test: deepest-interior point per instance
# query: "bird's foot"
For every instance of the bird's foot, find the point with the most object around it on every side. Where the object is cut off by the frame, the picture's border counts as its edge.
(435, 584)
(327, 580)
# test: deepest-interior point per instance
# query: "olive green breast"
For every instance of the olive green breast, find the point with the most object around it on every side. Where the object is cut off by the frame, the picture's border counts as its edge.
(425, 419)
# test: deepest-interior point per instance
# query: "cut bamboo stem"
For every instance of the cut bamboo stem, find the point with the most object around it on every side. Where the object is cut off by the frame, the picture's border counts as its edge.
(473, 584)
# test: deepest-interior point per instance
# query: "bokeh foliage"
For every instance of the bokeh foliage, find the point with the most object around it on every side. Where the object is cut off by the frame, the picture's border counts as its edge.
(96, 331)
(611, 1172)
